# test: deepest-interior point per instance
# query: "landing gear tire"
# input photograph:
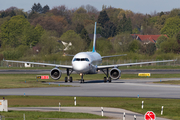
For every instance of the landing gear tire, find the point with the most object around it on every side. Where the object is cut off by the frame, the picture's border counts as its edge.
(71, 79)
(105, 80)
(65, 79)
(82, 81)
(109, 79)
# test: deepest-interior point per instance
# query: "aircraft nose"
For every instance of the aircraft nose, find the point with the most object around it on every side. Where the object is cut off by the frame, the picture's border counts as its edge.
(81, 66)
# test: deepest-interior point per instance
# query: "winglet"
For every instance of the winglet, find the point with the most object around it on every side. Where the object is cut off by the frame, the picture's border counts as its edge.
(175, 59)
(94, 41)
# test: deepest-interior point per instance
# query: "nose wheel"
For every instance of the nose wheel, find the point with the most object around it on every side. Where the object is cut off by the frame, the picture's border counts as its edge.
(82, 80)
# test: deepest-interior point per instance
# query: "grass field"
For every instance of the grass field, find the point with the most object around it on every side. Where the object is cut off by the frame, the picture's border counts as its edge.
(171, 106)
(30, 81)
(173, 82)
(24, 81)
(34, 115)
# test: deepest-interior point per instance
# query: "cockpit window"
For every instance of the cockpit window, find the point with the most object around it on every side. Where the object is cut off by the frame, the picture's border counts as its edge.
(80, 59)
(86, 59)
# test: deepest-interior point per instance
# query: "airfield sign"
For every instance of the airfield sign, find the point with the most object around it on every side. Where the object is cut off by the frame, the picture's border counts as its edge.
(42, 77)
(149, 115)
(45, 77)
(144, 74)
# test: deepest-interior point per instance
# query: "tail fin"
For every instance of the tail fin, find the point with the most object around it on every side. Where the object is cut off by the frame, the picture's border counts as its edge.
(94, 41)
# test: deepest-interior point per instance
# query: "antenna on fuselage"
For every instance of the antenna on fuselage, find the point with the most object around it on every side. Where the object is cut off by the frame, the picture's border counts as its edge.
(94, 40)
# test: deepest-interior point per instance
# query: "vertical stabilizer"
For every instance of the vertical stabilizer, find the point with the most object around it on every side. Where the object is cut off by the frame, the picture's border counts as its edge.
(94, 40)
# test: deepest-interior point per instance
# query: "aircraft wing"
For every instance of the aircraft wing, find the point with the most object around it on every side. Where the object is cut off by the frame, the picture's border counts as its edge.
(129, 64)
(113, 56)
(36, 63)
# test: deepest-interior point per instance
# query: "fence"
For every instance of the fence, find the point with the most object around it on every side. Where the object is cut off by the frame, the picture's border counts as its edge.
(104, 62)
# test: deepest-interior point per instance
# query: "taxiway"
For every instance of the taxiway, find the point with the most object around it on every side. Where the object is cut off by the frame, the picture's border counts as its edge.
(97, 88)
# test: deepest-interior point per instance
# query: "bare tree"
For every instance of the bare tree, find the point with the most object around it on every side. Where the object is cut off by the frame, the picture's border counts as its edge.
(91, 9)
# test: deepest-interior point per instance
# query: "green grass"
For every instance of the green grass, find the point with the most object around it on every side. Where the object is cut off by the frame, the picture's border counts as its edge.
(171, 106)
(30, 81)
(34, 115)
(24, 81)
(131, 76)
(173, 82)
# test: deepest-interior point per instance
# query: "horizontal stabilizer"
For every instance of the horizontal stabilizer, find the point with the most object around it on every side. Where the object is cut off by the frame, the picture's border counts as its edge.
(68, 55)
(113, 56)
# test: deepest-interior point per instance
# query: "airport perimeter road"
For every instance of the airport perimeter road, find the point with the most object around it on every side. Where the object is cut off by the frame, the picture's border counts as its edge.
(119, 88)
(115, 113)
(127, 71)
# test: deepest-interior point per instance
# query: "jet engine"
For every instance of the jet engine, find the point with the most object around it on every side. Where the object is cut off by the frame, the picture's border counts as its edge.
(115, 73)
(55, 73)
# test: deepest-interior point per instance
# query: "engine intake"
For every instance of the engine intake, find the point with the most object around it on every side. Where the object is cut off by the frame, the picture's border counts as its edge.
(55, 73)
(115, 73)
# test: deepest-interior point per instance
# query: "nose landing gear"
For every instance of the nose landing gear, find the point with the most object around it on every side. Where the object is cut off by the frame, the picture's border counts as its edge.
(82, 80)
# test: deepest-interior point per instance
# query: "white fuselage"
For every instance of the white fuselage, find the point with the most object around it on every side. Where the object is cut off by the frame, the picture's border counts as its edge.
(86, 62)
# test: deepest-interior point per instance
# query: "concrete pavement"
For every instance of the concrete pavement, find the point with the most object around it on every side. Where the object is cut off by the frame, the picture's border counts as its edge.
(97, 88)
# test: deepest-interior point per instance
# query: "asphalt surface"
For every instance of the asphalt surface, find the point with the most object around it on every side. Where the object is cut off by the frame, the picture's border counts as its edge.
(118, 88)
(127, 71)
(114, 113)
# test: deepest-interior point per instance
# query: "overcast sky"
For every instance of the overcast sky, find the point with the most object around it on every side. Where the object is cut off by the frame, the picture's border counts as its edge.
(137, 6)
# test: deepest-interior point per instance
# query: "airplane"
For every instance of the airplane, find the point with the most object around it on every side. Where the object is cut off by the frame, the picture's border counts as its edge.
(88, 63)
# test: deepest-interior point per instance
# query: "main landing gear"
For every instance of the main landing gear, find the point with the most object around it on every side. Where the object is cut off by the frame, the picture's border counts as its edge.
(107, 78)
(68, 78)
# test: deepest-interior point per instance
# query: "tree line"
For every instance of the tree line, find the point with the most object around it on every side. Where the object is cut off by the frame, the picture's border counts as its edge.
(39, 31)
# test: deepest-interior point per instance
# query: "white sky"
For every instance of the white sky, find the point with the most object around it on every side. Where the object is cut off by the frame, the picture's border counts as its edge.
(137, 6)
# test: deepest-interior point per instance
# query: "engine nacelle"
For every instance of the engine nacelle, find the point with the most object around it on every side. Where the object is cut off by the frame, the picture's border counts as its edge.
(55, 73)
(115, 73)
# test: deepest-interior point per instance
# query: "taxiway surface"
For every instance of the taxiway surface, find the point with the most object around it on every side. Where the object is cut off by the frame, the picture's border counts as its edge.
(119, 88)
